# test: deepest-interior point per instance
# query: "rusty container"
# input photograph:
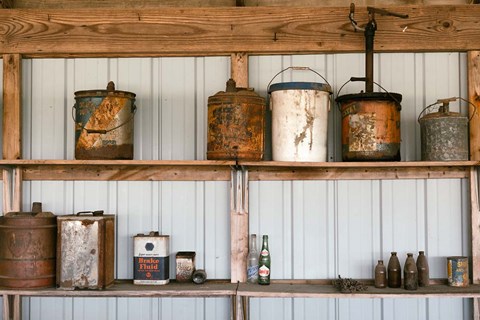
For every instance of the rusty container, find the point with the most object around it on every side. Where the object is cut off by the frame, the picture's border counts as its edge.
(104, 124)
(370, 126)
(185, 265)
(236, 124)
(28, 249)
(85, 250)
(444, 134)
(457, 269)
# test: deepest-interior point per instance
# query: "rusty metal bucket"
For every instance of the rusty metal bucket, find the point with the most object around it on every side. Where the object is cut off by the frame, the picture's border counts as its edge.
(27, 250)
(104, 124)
(370, 126)
(444, 134)
(236, 124)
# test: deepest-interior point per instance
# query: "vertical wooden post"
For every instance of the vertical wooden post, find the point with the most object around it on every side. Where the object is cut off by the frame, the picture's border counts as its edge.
(475, 218)
(12, 128)
(239, 69)
(7, 191)
(12, 307)
(473, 63)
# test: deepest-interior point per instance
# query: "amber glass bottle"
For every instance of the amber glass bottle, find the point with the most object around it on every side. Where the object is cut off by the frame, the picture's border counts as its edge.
(394, 271)
(423, 270)
(380, 275)
(410, 273)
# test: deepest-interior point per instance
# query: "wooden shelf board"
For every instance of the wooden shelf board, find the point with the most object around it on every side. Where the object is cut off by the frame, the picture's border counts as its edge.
(188, 31)
(126, 288)
(284, 290)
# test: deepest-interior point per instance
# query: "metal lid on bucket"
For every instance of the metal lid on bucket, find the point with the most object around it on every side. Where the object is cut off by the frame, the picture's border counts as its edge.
(299, 86)
(110, 91)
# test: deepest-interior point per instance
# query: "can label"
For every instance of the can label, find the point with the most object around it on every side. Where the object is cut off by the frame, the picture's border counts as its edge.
(151, 260)
(457, 271)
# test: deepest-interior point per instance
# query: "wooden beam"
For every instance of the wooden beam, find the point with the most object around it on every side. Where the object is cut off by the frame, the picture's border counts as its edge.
(473, 64)
(12, 127)
(475, 225)
(7, 191)
(239, 225)
(239, 69)
(221, 31)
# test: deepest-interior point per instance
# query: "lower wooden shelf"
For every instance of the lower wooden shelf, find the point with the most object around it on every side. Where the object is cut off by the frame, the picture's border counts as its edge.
(126, 288)
(294, 290)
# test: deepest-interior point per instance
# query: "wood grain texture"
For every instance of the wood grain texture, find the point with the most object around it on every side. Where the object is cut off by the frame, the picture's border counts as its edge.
(473, 64)
(12, 115)
(222, 31)
(475, 225)
(7, 191)
(239, 69)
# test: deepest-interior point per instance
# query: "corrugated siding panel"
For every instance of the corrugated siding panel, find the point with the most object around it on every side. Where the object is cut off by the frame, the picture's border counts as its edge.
(318, 229)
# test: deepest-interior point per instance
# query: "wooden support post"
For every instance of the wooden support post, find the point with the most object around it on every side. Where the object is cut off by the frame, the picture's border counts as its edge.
(12, 307)
(239, 69)
(7, 191)
(475, 225)
(17, 191)
(473, 58)
(12, 128)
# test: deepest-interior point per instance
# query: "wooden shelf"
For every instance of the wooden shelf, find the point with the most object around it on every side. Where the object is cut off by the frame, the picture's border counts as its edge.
(207, 170)
(126, 288)
(285, 290)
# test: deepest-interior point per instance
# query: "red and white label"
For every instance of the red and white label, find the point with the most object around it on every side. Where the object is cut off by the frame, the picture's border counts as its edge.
(263, 271)
(264, 253)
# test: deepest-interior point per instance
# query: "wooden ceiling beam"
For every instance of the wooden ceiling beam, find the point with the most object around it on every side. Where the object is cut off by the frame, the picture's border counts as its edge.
(222, 31)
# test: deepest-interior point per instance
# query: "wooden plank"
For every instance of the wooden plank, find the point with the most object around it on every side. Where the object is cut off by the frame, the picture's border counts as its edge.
(358, 165)
(17, 307)
(221, 31)
(12, 127)
(275, 290)
(6, 307)
(475, 225)
(7, 191)
(17, 192)
(473, 63)
(239, 69)
(133, 163)
(238, 225)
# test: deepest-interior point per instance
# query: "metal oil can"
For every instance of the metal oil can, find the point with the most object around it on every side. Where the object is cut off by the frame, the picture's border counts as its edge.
(85, 250)
(236, 124)
(185, 263)
(151, 258)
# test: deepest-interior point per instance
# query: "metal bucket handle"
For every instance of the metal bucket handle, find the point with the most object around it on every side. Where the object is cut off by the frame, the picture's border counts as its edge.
(299, 68)
(134, 109)
(94, 213)
(353, 79)
(449, 100)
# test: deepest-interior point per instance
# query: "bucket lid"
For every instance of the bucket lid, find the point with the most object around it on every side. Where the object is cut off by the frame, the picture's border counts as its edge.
(443, 115)
(385, 96)
(300, 86)
(110, 91)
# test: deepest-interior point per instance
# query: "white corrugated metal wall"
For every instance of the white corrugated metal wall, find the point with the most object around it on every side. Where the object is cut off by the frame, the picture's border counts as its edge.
(318, 229)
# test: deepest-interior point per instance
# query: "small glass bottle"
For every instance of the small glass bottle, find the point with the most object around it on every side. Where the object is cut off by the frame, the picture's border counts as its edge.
(380, 275)
(410, 273)
(264, 263)
(252, 260)
(423, 270)
(394, 271)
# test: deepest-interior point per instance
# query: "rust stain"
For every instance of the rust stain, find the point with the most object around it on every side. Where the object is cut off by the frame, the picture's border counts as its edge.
(362, 132)
(309, 120)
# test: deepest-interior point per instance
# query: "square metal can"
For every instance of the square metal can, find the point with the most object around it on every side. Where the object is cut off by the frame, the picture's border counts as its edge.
(151, 259)
(85, 250)
(185, 261)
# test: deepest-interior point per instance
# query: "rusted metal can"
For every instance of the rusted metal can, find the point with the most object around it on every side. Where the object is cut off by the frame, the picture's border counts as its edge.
(104, 123)
(151, 258)
(27, 249)
(370, 126)
(457, 268)
(185, 262)
(236, 124)
(444, 134)
(85, 250)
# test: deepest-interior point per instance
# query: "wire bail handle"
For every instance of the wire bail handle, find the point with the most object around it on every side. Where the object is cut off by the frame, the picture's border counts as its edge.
(444, 108)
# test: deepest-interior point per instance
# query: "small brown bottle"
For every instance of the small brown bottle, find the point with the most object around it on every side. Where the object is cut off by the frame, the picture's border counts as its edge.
(380, 275)
(423, 270)
(394, 271)
(410, 273)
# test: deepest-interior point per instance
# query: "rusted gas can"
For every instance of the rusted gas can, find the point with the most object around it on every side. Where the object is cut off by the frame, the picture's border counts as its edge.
(104, 124)
(236, 124)
(444, 134)
(28, 249)
(370, 126)
(85, 250)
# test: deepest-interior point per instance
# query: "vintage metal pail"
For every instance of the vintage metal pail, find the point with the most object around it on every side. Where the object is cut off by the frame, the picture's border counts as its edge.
(104, 124)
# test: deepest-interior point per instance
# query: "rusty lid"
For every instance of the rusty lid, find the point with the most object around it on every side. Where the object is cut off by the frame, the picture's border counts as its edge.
(186, 254)
(443, 115)
(109, 92)
(232, 90)
(383, 96)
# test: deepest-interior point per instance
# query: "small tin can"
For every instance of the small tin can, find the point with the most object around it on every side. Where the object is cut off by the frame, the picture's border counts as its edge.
(185, 265)
(151, 259)
(457, 271)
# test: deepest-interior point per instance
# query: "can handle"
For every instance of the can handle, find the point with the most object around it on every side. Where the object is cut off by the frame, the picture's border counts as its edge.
(94, 213)
(445, 102)
(105, 131)
(355, 79)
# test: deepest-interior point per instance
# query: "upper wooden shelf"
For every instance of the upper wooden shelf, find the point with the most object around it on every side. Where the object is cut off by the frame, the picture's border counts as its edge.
(208, 170)
(185, 31)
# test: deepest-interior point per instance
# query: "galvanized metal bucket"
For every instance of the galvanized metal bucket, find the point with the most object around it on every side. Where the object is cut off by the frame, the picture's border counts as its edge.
(444, 134)
(27, 250)
(299, 119)
(104, 124)
(370, 126)
(236, 124)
